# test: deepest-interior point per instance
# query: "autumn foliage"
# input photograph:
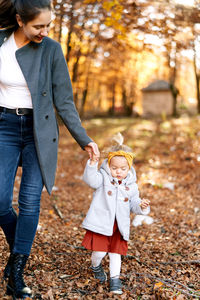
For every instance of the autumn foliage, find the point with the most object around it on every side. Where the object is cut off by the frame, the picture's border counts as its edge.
(116, 48)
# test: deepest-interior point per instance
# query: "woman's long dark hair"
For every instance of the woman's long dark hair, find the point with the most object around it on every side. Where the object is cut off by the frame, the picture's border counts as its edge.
(26, 9)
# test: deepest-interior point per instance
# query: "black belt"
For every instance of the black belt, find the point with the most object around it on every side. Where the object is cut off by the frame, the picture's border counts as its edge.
(17, 111)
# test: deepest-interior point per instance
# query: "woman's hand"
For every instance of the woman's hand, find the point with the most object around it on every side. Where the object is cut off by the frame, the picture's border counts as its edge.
(93, 151)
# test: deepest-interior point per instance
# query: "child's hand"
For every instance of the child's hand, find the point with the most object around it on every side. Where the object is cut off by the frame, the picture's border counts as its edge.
(144, 203)
(94, 159)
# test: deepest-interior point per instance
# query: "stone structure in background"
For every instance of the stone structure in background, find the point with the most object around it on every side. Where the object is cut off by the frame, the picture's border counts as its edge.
(157, 99)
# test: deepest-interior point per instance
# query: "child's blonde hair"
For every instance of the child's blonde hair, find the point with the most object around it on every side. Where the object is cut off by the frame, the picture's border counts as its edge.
(119, 149)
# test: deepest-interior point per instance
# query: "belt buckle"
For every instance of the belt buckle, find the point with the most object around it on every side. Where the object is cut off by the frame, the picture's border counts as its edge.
(18, 113)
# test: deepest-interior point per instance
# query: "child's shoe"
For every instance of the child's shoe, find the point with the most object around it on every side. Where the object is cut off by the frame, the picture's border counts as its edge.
(116, 286)
(99, 273)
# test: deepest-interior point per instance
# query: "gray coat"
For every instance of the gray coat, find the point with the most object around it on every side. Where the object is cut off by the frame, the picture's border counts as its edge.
(111, 200)
(44, 68)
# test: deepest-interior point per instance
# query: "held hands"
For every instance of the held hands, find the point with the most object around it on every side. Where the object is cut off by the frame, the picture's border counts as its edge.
(144, 203)
(93, 152)
(94, 159)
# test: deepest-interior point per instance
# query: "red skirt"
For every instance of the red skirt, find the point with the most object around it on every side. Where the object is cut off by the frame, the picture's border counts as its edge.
(99, 242)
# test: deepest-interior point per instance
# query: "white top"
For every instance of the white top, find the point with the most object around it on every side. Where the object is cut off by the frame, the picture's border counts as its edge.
(14, 92)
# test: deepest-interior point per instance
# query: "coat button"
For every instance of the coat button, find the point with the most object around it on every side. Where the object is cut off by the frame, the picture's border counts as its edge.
(127, 188)
(109, 193)
(54, 140)
(44, 94)
(126, 199)
(46, 117)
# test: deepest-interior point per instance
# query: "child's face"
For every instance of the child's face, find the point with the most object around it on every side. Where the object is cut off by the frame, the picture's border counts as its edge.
(119, 167)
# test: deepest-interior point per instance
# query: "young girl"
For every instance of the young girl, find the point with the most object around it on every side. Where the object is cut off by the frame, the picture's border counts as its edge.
(108, 219)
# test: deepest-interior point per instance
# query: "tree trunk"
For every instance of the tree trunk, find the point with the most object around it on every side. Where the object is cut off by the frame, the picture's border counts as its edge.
(174, 92)
(124, 99)
(71, 27)
(83, 101)
(84, 97)
(172, 57)
(76, 99)
(198, 92)
(126, 107)
(75, 67)
(112, 108)
(60, 28)
(197, 77)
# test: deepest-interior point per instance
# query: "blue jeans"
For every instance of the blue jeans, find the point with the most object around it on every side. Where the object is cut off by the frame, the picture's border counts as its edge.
(17, 147)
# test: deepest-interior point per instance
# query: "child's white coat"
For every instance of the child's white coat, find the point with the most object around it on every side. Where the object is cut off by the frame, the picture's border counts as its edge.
(111, 200)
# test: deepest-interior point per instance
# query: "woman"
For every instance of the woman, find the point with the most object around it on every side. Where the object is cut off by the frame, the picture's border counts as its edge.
(34, 80)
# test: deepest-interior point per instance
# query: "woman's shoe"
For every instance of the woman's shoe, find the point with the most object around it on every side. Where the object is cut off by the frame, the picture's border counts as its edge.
(116, 286)
(16, 286)
(99, 273)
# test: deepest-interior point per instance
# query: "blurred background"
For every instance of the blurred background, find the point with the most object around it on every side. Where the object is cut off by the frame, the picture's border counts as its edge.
(133, 57)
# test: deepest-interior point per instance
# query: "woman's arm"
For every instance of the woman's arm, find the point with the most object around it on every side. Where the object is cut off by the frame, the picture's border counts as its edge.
(63, 98)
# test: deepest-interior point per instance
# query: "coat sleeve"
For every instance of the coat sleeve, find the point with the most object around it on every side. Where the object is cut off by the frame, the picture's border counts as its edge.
(135, 203)
(63, 98)
(92, 176)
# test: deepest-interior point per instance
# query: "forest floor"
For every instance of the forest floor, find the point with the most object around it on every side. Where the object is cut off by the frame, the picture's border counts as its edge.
(163, 260)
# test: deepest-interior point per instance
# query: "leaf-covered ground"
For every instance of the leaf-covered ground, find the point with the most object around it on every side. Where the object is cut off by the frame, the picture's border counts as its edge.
(163, 260)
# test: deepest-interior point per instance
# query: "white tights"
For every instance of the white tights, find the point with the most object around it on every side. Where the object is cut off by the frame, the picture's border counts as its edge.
(114, 263)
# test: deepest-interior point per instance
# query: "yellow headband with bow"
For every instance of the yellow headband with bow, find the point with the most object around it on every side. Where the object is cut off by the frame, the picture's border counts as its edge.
(128, 155)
